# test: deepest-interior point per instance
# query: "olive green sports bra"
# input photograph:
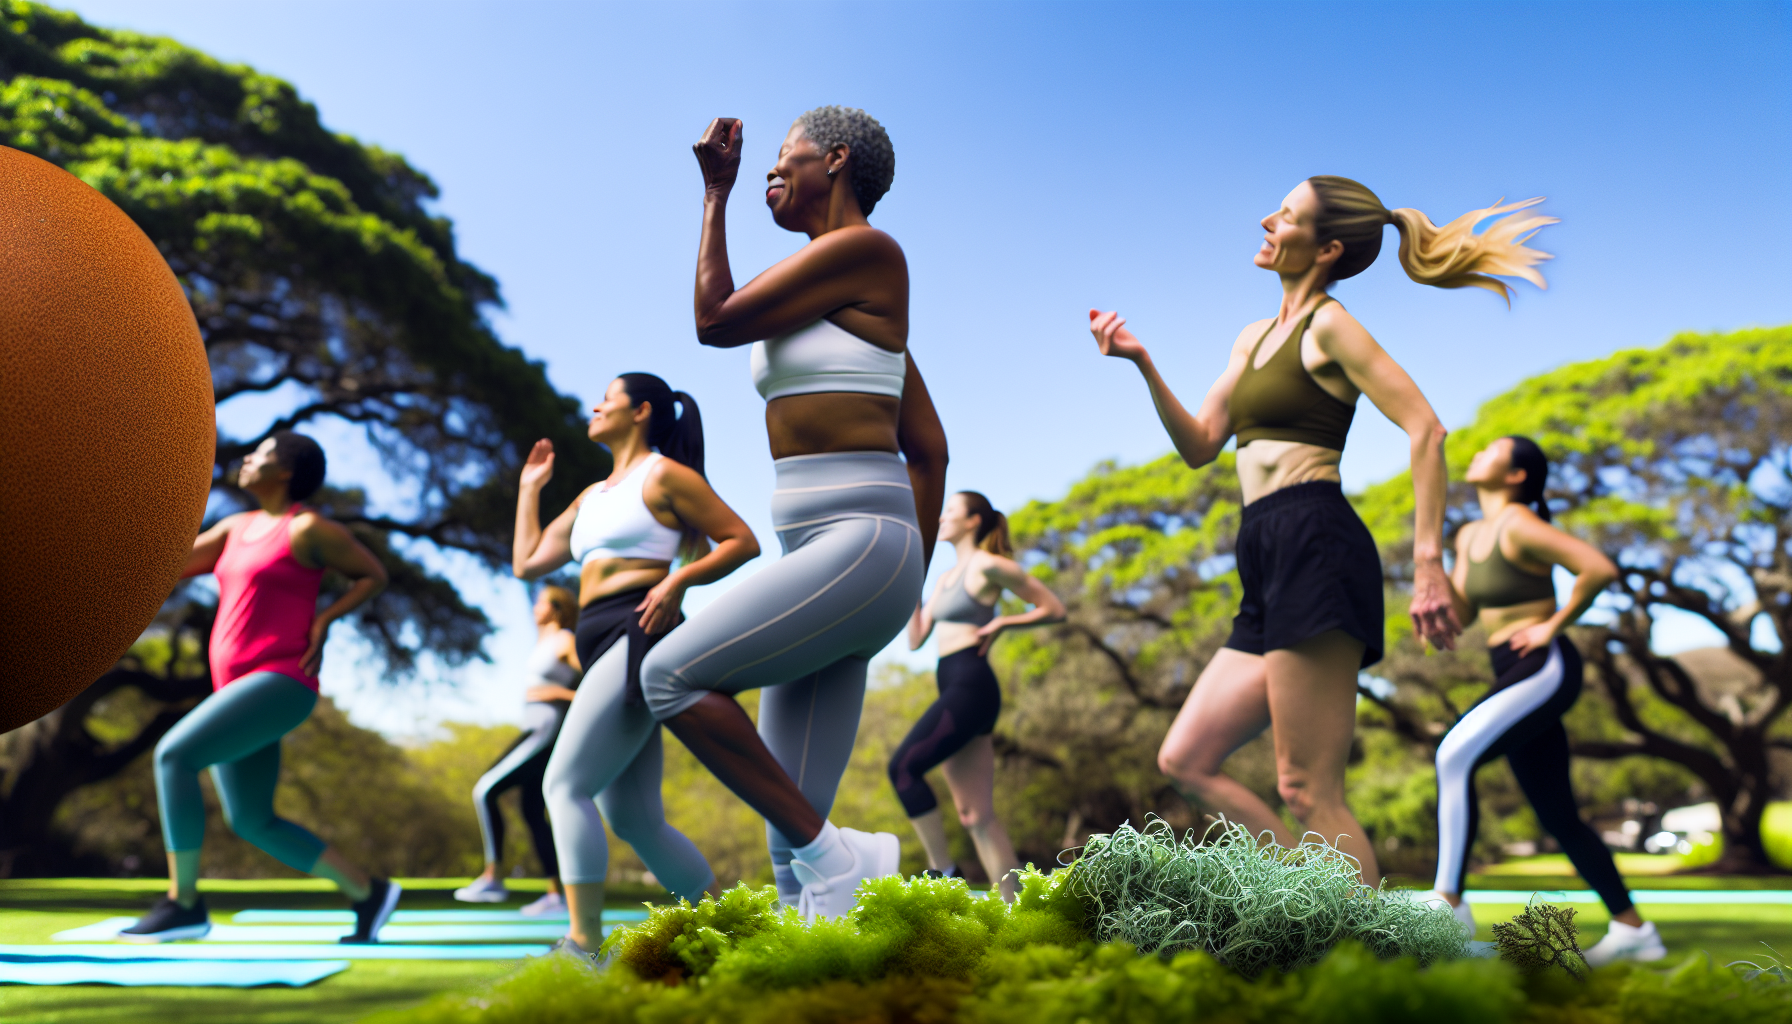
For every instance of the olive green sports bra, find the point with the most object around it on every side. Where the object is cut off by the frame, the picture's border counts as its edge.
(1281, 402)
(1495, 582)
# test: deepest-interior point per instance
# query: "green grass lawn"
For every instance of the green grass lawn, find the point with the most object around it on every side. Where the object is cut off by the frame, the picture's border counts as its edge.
(32, 909)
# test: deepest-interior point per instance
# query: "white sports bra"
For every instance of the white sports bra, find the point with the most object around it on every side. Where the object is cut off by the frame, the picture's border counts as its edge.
(614, 522)
(546, 666)
(825, 357)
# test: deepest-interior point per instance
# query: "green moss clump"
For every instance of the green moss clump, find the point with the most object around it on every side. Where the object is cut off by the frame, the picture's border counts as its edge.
(931, 951)
(1251, 906)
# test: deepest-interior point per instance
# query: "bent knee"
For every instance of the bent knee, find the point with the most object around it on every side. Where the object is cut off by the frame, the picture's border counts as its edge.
(1304, 797)
(976, 817)
(1188, 771)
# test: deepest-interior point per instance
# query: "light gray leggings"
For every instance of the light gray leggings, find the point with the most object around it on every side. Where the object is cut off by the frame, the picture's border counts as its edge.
(806, 626)
(610, 752)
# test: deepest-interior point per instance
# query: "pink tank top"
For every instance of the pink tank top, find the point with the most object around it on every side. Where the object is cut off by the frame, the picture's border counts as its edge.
(266, 601)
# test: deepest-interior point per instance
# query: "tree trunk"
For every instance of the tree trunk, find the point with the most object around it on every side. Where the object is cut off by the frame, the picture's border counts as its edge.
(56, 755)
(1745, 852)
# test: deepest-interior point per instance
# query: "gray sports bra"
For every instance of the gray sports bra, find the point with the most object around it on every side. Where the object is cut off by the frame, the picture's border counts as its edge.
(955, 604)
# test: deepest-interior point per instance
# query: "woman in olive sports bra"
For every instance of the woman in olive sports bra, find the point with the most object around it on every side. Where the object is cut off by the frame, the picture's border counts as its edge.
(1310, 616)
(1502, 574)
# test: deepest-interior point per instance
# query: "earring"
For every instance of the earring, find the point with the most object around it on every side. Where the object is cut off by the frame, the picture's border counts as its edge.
(831, 171)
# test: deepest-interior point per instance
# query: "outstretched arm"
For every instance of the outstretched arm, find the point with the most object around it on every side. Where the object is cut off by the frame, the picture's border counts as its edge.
(208, 546)
(922, 439)
(1198, 437)
(1376, 375)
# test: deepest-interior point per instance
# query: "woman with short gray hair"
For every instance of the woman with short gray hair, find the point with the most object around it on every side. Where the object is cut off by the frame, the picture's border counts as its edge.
(845, 407)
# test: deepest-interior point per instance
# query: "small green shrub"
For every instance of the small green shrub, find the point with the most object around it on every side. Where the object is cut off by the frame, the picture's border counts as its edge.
(1540, 938)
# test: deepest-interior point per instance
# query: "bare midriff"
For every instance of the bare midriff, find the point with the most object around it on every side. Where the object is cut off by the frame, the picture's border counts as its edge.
(956, 636)
(602, 577)
(831, 421)
(1266, 466)
(1501, 623)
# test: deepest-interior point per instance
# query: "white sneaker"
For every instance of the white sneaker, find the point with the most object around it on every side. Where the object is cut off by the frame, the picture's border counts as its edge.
(1622, 942)
(1464, 914)
(483, 890)
(875, 855)
(551, 905)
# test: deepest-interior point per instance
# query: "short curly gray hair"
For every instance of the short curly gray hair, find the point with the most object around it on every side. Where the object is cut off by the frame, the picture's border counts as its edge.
(873, 158)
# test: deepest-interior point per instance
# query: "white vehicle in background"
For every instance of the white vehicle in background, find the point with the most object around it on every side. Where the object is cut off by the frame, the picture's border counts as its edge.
(1684, 828)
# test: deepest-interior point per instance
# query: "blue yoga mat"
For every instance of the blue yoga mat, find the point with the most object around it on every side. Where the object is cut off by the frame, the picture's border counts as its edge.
(62, 970)
(418, 916)
(107, 931)
(278, 951)
(1641, 896)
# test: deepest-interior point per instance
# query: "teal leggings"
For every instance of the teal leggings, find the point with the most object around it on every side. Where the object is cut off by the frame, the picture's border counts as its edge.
(236, 732)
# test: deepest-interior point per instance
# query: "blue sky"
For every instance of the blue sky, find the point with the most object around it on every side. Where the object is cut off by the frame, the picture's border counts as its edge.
(1050, 157)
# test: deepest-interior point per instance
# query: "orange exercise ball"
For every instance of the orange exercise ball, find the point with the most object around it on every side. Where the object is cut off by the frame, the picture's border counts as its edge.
(107, 424)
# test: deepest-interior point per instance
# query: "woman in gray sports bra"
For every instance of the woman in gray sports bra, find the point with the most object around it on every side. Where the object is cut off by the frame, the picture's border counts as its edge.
(554, 664)
(954, 732)
(830, 329)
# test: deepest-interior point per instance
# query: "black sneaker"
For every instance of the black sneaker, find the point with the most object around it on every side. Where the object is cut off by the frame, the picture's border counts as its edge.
(168, 921)
(950, 872)
(372, 913)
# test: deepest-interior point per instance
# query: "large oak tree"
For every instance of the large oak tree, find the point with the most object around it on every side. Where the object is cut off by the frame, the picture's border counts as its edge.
(316, 271)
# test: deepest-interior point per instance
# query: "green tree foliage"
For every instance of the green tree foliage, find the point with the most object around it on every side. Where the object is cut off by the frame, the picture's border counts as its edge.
(316, 271)
(1675, 461)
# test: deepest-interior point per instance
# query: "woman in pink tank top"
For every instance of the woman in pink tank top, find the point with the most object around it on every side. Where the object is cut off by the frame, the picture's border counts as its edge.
(266, 648)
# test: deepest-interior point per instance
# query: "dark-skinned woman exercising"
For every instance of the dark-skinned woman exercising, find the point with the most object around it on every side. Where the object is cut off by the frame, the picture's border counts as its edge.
(829, 326)
(267, 648)
(1311, 614)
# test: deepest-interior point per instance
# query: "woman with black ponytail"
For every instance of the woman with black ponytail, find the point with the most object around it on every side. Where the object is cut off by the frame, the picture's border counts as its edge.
(625, 532)
(955, 732)
(1502, 573)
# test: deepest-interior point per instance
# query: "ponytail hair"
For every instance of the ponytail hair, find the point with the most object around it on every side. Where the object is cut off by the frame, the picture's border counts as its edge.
(1452, 256)
(1530, 458)
(992, 526)
(676, 434)
(565, 605)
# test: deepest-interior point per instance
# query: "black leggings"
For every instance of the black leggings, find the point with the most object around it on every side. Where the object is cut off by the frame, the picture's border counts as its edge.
(522, 767)
(970, 701)
(1521, 719)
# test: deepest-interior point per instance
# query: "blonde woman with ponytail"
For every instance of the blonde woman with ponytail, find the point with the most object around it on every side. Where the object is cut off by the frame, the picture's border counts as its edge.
(1311, 614)
(955, 731)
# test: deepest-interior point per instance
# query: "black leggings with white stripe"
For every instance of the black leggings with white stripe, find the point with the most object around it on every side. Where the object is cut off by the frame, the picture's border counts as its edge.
(1521, 719)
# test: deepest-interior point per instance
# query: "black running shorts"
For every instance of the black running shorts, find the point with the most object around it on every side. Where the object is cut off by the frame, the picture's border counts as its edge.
(1308, 565)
